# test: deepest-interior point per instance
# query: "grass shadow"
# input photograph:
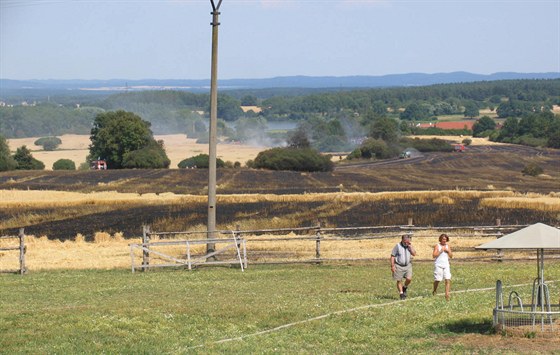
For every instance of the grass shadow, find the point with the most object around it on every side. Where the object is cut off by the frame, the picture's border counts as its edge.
(465, 326)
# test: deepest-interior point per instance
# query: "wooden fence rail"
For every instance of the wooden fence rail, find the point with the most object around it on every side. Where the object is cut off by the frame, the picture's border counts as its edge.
(191, 260)
(318, 235)
(21, 248)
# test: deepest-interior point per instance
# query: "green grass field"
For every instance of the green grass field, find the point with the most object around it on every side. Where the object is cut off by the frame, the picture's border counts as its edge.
(320, 309)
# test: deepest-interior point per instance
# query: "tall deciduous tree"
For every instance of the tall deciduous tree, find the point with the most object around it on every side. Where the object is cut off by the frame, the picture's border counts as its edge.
(484, 124)
(7, 162)
(298, 138)
(471, 109)
(415, 111)
(115, 135)
(385, 128)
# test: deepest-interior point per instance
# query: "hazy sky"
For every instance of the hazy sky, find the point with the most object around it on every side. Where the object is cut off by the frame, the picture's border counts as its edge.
(165, 39)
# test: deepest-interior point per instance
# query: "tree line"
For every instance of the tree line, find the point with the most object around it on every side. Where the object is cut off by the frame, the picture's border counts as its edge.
(180, 112)
(330, 121)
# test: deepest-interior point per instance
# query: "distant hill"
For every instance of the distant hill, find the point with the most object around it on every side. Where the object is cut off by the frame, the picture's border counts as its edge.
(360, 81)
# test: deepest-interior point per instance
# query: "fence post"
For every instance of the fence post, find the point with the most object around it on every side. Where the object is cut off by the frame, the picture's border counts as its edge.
(410, 221)
(241, 246)
(499, 253)
(237, 234)
(22, 250)
(145, 242)
(318, 242)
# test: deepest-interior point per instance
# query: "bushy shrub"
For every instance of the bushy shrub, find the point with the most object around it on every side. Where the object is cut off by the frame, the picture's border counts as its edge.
(26, 161)
(373, 148)
(200, 161)
(487, 133)
(532, 169)
(428, 145)
(151, 157)
(294, 159)
(532, 141)
(467, 141)
(64, 164)
(48, 143)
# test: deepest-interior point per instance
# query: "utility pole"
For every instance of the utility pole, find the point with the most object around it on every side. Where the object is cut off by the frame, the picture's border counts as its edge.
(210, 247)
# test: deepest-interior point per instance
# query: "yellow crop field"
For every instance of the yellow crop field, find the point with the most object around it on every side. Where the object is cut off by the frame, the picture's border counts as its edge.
(504, 199)
(113, 251)
(108, 251)
(178, 147)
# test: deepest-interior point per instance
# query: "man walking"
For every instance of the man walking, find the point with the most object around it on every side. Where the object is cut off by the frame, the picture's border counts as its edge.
(401, 264)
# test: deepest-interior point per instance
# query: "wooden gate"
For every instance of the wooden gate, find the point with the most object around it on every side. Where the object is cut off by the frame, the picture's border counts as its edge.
(150, 250)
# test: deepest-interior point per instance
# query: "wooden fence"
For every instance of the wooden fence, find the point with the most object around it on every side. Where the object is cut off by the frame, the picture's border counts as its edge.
(312, 240)
(189, 260)
(20, 247)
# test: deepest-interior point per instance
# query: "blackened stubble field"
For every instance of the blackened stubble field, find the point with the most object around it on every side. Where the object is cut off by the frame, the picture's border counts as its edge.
(480, 168)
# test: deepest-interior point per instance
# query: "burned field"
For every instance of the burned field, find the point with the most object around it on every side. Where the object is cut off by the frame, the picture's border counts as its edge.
(480, 168)
(486, 168)
(129, 220)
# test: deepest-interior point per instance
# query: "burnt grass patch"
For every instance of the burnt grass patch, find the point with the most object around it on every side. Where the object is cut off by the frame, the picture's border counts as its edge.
(480, 168)
(184, 217)
(462, 213)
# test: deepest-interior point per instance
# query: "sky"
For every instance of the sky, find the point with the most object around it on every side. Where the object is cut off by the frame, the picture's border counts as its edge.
(171, 39)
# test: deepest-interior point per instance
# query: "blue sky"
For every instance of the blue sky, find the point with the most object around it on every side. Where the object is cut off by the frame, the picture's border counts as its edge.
(160, 39)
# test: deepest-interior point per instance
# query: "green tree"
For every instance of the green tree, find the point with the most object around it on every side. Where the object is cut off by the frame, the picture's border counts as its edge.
(554, 133)
(509, 130)
(64, 164)
(7, 162)
(514, 108)
(48, 143)
(229, 108)
(485, 123)
(471, 109)
(405, 128)
(116, 134)
(386, 129)
(250, 129)
(298, 138)
(379, 107)
(249, 100)
(415, 112)
(372, 148)
(150, 157)
(26, 161)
